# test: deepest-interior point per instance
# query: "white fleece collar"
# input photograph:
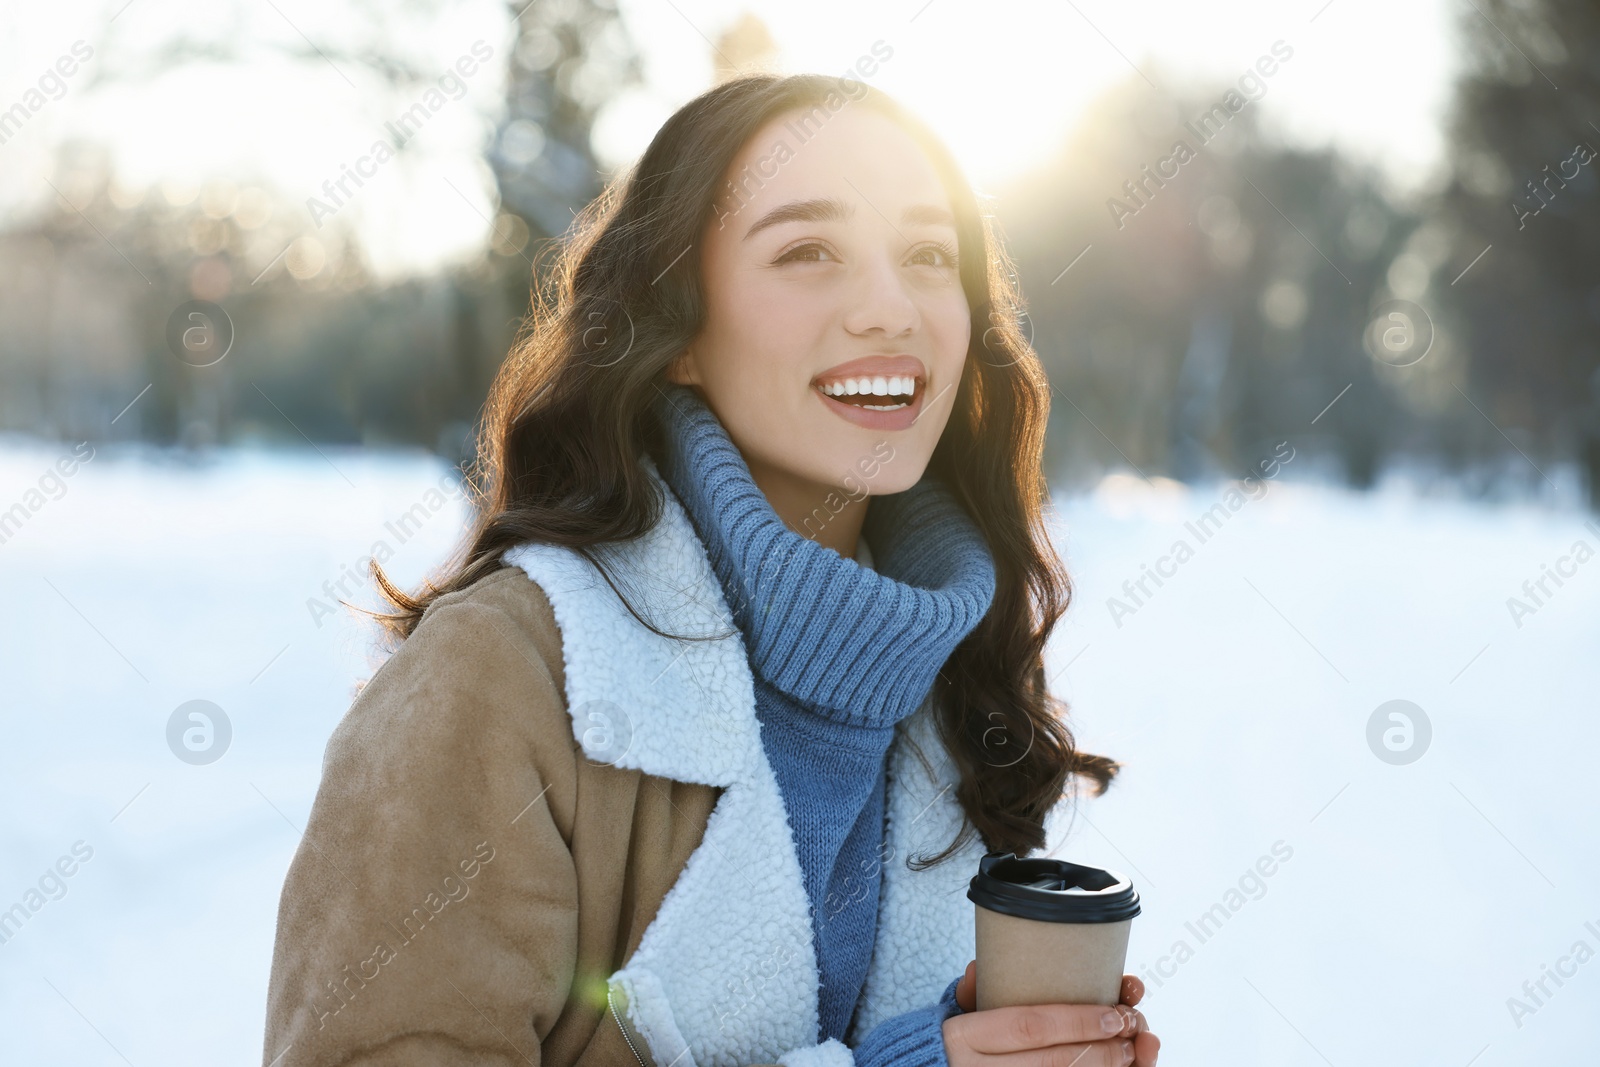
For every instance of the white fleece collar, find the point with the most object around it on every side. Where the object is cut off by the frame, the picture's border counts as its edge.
(726, 973)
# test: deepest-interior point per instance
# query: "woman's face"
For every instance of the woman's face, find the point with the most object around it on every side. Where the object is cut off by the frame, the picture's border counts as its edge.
(831, 263)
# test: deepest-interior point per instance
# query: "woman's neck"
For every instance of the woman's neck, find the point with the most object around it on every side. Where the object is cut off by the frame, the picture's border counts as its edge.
(807, 507)
(861, 645)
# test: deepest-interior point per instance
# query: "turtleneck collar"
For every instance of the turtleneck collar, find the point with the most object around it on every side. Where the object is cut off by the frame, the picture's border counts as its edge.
(859, 645)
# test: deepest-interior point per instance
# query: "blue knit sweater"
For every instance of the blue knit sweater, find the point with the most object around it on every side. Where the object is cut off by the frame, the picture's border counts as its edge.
(839, 654)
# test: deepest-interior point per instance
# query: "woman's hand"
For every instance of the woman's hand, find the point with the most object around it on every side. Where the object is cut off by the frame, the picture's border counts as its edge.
(1056, 1035)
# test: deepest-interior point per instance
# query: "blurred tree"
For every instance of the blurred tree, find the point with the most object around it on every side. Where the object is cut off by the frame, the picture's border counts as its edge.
(1191, 322)
(1524, 134)
(744, 46)
(87, 288)
(568, 59)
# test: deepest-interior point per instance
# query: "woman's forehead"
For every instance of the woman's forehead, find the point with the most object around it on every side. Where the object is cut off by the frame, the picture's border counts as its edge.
(854, 155)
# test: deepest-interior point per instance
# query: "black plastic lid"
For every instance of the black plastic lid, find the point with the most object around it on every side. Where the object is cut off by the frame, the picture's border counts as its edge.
(1051, 890)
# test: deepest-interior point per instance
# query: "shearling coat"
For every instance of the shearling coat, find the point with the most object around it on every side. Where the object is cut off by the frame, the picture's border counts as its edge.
(546, 835)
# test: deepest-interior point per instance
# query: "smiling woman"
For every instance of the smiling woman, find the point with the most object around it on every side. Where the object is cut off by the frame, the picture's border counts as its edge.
(747, 760)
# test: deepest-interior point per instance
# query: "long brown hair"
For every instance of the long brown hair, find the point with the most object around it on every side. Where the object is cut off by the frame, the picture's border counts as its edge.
(568, 417)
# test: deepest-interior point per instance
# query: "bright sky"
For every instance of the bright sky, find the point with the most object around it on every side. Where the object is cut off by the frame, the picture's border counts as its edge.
(1003, 82)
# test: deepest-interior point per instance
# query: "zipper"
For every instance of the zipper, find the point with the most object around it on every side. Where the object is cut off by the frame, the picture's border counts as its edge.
(617, 1015)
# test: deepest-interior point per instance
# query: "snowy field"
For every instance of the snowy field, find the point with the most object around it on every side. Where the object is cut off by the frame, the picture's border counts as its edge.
(1320, 886)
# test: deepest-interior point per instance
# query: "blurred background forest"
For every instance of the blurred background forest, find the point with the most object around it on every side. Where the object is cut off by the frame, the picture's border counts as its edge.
(1208, 316)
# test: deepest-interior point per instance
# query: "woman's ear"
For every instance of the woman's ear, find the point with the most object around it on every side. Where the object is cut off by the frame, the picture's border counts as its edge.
(682, 370)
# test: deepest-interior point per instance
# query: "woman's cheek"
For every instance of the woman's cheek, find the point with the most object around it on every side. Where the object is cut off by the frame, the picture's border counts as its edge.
(953, 334)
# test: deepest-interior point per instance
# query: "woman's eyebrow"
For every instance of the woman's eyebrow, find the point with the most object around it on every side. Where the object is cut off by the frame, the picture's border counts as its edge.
(832, 209)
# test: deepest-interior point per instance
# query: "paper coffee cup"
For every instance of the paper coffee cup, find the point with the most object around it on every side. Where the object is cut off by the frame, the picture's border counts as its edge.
(1049, 931)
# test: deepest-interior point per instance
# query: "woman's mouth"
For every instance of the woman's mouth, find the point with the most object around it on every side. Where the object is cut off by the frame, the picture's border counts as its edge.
(882, 401)
(875, 393)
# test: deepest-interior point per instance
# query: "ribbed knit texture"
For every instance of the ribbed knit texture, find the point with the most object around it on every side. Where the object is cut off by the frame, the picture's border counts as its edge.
(840, 653)
(912, 1039)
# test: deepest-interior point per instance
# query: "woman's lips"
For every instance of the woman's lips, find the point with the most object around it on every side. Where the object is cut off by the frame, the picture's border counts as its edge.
(898, 419)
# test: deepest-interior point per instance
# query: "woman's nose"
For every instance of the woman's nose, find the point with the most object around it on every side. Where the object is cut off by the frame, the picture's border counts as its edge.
(881, 301)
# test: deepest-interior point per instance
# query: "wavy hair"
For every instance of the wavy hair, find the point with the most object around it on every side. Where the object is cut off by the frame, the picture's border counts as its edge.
(561, 434)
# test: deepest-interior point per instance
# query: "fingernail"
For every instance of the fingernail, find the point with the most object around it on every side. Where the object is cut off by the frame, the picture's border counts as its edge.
(1127, 1052)
(1111, 1022)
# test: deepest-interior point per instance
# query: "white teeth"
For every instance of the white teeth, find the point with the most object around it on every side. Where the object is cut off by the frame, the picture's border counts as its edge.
(893, 385)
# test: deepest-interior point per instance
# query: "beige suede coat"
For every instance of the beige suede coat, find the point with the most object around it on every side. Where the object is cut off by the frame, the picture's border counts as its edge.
(546, 835)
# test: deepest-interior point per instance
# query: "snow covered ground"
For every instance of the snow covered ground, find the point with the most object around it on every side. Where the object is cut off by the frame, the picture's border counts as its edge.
(1310, 897)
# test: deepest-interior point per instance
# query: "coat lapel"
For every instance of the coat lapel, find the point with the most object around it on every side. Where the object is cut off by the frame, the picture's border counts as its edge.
(926, 924)
(726, 973)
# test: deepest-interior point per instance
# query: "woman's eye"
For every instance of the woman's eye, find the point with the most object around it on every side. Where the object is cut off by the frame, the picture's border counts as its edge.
(939, 255)
(935, 255)
(803, 254)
